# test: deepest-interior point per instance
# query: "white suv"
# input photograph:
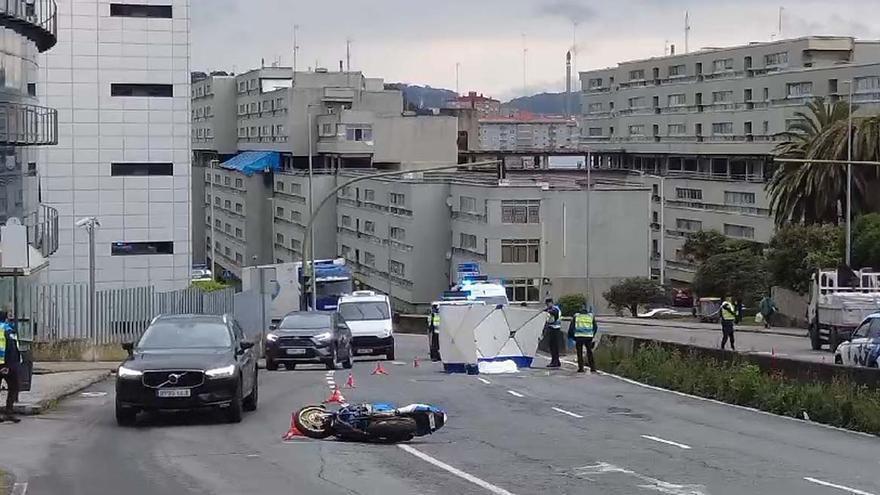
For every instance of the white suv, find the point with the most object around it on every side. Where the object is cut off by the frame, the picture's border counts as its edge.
(369, 317)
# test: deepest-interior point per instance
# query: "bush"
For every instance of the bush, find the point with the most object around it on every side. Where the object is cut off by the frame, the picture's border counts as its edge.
(866, 242)
(796, 251)
(209, 285)
(633, 292)
(571, 303)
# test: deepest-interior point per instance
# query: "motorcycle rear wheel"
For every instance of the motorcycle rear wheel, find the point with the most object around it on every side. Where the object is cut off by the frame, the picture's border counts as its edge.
(313, 422)
(397, 429)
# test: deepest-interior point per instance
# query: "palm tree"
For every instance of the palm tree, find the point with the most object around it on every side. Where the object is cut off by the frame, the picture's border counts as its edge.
(816, 193)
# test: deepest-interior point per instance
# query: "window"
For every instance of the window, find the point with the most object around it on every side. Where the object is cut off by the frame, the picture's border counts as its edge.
(253, 131)
(765, 126)
(638, 102)
(722, 128)
(637, 75)
(792, 124)
(239, 207)
(677, 70)
(279, 130)
(227, 204)
(867, 84)
(398, 199)
(596, 82)
(676, 129)
(739, 231)
(140, 10)
(369, 227)
(326, 129)
(238, 233)
(239, 258)
(520, 250)
(296, 216)
(227, 251)
(467, 204)
(279, 186)
(637, 130)
(369, 259)
(242, 86)
(132, 168)
(279, 212)
(722, 65)
(521, 211)
(722, 96)
(227, 181)
(687, 225)
(227, 228)
(279, 239)
(242, 132)
(141, 248)
(369, 195)
(239, 183)
(296, 244)
(685, 193)
(150, 90)
(522, 290)
(295, 188)
(795, 90)
(396, 268)
(264, 131)
(776, 59)
(345, 251)
(397, 233)
(677, 100)
(32, 89)
(346, 221)
(217, 223)
(766, 94)
(595, 108)
(253, 107)
(359, 133)
(216, 200)
(267, 106)
(467, 241)
(594, 132)
(739, 198)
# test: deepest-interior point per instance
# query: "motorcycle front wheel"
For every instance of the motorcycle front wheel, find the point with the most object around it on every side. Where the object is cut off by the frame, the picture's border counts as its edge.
(398, 429)
(313, 422)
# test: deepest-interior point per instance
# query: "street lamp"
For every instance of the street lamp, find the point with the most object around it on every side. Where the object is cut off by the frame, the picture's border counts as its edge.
(213, 222)
(311, 208)
(849, 151)
(91, 224)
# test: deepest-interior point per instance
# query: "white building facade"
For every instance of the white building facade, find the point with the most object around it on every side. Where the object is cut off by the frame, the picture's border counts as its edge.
(120, 79)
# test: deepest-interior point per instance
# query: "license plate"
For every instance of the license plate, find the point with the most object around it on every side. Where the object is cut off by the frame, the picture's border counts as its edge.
(295, 352)
(364, 351)
(431, 421)
(174, 392)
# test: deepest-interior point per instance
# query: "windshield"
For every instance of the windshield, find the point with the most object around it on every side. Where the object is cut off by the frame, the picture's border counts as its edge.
(306, 322)
(334, 288)
(367, 310)
(493, 300)
(185, 334)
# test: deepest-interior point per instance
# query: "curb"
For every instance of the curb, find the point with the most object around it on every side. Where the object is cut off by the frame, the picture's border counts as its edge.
(742, 328)
(31, 409)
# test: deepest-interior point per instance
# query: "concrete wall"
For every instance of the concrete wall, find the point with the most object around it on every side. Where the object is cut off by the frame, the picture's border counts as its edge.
(291, 196)
(214, 113)
(416, 140)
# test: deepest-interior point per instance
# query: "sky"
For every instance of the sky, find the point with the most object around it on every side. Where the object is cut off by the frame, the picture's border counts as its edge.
(420, 42)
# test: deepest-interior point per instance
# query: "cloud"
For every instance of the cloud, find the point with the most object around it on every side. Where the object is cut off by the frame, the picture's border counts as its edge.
(571, 10)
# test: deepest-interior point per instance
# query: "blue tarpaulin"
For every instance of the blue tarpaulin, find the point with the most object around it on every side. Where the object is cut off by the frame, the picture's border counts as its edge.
(254, 162)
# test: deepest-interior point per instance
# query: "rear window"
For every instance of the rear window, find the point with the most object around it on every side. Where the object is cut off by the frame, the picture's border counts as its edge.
(182, 333)
(366, 310)
(306, 321)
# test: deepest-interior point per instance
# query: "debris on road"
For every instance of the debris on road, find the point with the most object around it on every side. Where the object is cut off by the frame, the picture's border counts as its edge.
(380, 370)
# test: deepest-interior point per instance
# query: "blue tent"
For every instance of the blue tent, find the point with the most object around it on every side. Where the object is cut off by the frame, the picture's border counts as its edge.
(254, 162)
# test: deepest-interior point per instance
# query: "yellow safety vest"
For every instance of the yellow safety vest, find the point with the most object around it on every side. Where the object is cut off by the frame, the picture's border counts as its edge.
(3, 344)
(583, 325)
(728, 313)
(435, 321)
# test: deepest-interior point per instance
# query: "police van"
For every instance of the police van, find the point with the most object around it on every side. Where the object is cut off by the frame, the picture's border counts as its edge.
(368, 315)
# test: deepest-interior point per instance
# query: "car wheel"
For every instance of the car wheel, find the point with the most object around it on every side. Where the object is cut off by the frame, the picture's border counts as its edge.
(125, 416)
(833, 339)
(838, 359)
(250, 404)
(390, 355)
(331, 363)
(271, 365)
(234, 412)
(347, 363)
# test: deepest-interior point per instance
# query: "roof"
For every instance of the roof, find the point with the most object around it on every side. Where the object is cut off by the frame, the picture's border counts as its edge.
(523, 117)
(363, 298)
(254, 162)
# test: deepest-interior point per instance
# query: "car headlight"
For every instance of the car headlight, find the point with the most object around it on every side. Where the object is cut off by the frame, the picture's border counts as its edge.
(224, 372)
(323, 337)
(124, 372)
(271, 337)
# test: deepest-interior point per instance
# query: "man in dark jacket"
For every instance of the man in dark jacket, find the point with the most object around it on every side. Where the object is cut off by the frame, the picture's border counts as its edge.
(553, 331)
(10, 359)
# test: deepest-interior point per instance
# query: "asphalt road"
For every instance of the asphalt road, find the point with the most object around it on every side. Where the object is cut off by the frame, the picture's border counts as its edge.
(534, 432)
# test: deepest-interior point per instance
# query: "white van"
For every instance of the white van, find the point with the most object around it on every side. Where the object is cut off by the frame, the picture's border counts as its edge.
(368, 315)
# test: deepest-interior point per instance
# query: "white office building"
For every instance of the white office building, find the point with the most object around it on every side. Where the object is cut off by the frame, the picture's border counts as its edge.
(120, 80)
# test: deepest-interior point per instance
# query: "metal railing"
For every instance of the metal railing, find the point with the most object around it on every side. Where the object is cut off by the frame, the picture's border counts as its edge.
(37, 18)
(23, 124)
(42, 230)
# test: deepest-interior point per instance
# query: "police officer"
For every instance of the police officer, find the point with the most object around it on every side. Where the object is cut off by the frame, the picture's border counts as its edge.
(434, 332)
(553, 330)
(10, 358)
(583, 329)
(728, 318)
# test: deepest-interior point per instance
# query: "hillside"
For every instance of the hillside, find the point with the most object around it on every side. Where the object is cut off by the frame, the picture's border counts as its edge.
(415, 96)
(546, 103)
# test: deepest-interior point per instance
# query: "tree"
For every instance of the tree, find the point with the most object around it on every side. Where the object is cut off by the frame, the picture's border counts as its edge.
(570, 304)
(796, 251)
(816, 192)
(702, 245)
(866, 242)
(739, 274)
(632, 292)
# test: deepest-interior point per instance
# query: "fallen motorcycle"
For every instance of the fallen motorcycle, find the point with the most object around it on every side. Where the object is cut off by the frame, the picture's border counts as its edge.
(370, 422)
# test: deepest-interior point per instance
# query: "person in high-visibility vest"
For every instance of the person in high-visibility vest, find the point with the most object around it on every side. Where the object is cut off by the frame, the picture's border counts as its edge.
(434, 332)
(728, 315)
(583, 329)
(10, 358)
(553, 331)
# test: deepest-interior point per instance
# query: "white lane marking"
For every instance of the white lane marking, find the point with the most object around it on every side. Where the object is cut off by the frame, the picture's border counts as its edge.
(93, 395)
(332, 387)
(839, 487)
(20, 488)
(457, 472)
(569, 413)
(487, 382)
(667, 442)
(650, 483)
(398, 363)
(515, 393)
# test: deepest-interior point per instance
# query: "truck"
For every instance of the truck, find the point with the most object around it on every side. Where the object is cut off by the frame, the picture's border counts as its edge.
(840, 299)
(333, 278)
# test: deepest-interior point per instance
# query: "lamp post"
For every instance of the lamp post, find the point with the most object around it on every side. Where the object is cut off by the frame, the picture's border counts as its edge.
(849, 152)
(91, 224)
(314, 297)
(213, 163)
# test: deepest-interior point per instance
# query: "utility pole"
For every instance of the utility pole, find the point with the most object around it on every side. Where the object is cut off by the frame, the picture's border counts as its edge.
(589, 224)
(687, 31)
(311, 212)
(295, 49)
(457, 72)
(525, 52)
(779, 28)
(213, 222)
(348, 55)
(849, 152)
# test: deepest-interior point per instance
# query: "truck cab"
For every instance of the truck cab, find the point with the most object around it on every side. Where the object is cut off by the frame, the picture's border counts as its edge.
(368, 315)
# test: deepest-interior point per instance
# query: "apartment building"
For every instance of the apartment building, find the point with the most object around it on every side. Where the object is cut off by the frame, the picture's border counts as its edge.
(291, 215)
(484, 105)
(525, 132)
(28, 28)
(708, 122)
(121, 82)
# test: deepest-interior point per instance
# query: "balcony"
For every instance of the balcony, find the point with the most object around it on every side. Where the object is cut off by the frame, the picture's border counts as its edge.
(42, 229)
(338, 145)
(35, 19)
(27, 125)
(338, 95)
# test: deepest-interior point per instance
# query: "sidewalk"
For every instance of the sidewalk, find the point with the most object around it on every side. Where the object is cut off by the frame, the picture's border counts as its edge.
(696, 325)
(53, 381)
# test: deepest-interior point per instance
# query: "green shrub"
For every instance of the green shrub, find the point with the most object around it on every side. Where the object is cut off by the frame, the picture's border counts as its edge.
(571, 303)
(209, 285)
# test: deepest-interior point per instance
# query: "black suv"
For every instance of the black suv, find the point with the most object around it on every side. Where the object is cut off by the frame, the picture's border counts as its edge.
(186, 362)
(309, 337)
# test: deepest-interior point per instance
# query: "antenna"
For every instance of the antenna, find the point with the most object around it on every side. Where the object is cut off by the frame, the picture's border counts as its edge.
(525, 52)
(687, 31)
(457, 71)
(779, 30)
(574, 48)
(348, 55)
(295, 49)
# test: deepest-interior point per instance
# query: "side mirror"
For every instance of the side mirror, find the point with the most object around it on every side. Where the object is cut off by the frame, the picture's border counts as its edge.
(129, 348)
(245, 345)
(272, 328)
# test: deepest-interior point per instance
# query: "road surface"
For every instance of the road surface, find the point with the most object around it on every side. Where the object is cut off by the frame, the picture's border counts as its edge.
(535, 432)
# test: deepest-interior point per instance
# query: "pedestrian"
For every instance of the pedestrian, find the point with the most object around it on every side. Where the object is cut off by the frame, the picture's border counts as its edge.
(434, 332)
(583, 329)
(10, 358)
(553, 331)
(728, 314)
(768, 308)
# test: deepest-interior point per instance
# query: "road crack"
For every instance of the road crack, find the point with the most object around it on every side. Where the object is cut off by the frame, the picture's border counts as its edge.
(323, 478)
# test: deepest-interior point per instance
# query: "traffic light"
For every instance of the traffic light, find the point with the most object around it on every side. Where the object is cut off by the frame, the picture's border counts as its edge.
(305, 287)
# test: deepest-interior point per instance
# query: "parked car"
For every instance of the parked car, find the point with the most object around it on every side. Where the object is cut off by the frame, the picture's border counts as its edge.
(864, 347)
(368, 315)
(682, 299)
(187, 362)
(309, 337)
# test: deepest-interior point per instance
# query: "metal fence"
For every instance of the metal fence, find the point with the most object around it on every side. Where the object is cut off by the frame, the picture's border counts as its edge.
(60, 311)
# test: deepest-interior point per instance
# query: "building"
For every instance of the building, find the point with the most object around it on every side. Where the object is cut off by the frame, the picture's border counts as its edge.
(120, 79)
(526, 132)
(29, 28)
(708, 121)
(484, 105)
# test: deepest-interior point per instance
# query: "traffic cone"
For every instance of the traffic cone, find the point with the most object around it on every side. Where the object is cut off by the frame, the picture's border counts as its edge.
(380, 370)
(335, 397)
(293, 432)
(416, 362)
(349, 383)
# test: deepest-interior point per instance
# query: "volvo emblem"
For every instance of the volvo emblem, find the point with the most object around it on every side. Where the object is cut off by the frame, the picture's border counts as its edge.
(173, 378)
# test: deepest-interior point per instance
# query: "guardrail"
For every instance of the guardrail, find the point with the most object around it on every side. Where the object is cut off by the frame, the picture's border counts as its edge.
(37, 19)
(22, 124)
(42, 230)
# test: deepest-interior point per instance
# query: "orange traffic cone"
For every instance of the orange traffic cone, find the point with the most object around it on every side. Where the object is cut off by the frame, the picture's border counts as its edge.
(349, 383)
(380, 370)
(293, 432)
(416, 362)
(335, 397)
